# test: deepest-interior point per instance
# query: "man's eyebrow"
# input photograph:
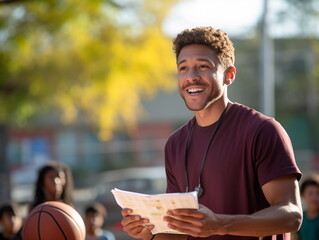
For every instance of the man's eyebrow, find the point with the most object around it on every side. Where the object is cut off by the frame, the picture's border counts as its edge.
(182, 61)
(203, 59)
(198, 59)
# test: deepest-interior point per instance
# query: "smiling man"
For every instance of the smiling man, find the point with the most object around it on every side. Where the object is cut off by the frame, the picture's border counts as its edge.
(240, 161)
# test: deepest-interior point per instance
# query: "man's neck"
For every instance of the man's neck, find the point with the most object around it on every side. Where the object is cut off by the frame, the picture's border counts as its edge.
(211, 114)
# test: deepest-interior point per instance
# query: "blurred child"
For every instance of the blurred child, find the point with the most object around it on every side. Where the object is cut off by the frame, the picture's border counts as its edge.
(95, 215)
(10, 221)
(309, 190)
(54, 183)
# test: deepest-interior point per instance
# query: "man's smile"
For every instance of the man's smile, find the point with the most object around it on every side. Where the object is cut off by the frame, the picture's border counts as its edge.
(195, 91)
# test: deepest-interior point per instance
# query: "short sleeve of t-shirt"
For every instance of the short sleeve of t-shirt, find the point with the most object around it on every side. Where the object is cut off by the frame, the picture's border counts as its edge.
(273, 148)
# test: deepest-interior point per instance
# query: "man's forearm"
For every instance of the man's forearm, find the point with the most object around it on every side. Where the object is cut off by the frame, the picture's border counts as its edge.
(270, 221)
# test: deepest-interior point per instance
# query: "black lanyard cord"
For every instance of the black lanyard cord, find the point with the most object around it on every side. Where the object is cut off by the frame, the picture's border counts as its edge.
(199, 188)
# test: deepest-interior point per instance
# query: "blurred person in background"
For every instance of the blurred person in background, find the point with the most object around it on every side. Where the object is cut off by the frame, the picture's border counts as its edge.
(95, 215)
(54, 183)
(240, 162)
(309, 191)
(10, 221)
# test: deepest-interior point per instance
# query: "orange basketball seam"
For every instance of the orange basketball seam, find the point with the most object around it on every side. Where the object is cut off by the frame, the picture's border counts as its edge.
(79, 227)
(39, 218)
(56, 222)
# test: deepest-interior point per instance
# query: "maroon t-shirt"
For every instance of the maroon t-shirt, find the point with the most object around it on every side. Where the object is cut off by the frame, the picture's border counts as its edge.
(248, 150)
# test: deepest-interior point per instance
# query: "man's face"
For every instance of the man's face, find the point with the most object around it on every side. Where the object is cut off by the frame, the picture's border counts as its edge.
(200, 76)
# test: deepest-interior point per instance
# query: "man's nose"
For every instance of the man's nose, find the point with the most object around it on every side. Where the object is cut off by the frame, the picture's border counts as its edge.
(192, 75)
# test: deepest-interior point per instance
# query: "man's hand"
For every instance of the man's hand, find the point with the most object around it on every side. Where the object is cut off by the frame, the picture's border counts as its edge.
(135, 225)
(200, 222)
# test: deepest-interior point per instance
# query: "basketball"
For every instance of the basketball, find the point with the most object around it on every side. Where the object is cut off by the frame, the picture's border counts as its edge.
(53, 221)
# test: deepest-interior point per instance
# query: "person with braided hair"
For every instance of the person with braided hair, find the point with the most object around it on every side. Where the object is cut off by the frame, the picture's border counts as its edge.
(240, 161)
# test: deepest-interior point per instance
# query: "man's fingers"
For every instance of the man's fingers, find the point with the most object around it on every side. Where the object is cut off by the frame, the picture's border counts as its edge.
(126, 211)
(134, 221)
(179, 213)
(184, 227)
(185, 221)
(136, 228)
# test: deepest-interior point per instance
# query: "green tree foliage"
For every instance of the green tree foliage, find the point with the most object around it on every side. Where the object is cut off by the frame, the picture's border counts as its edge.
(92, 59)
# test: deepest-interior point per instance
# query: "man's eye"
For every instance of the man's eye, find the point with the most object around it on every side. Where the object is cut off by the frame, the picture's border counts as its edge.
(182, 68)
(203, 66)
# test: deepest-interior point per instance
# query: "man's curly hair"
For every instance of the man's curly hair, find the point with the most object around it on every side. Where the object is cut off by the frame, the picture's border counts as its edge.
(215, 39)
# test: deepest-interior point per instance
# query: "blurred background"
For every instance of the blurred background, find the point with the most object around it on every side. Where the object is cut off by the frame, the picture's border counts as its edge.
(93, 84)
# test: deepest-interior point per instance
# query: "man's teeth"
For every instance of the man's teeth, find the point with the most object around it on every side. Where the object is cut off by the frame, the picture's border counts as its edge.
(195, 90)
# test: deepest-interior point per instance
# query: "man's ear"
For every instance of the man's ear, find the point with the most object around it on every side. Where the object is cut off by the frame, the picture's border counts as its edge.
(230, 74)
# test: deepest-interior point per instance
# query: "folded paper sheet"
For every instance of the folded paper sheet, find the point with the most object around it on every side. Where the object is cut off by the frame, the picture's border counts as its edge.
(154, 207)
